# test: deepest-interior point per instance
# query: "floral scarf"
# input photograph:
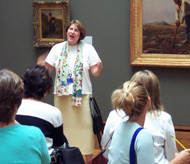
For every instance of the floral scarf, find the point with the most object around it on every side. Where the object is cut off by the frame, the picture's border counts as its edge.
(62, 73)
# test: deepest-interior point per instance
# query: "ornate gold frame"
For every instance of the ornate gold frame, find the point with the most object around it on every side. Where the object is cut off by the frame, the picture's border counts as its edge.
(137, 58)
(37, 6)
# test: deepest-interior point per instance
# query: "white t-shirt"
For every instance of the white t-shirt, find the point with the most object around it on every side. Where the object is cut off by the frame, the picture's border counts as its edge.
(115, 118)
(161, 127)
(90, 58)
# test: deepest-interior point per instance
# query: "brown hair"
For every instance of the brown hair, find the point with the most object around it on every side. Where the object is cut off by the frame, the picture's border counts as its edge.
(80, 27)
(150, 81)
(132, 98)
(11, 93)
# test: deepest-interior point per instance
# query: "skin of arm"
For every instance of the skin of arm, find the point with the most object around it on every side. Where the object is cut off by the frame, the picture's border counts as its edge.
(50, 67)
(96, 69)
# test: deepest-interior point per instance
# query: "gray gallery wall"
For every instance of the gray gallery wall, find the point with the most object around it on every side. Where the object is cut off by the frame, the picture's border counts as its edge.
(108, 21)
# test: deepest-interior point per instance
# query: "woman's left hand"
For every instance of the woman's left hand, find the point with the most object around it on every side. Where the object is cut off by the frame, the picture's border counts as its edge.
(96, 69)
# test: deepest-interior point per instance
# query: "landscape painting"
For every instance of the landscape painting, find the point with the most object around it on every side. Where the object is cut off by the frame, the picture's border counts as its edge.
(155, 38)
(160, 33)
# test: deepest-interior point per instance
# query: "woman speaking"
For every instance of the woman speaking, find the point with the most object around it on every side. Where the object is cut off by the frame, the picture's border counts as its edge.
(73, 59)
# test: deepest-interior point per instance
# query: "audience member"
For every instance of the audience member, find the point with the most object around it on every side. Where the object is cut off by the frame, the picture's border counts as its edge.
(19, 143)
(33, 111)
(134, 100)
(157, 121)
(115, 117)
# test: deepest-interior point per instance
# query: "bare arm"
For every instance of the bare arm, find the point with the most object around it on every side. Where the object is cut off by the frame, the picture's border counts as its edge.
(182, 157)
(50, 67)
(41, 59)
(96, 69)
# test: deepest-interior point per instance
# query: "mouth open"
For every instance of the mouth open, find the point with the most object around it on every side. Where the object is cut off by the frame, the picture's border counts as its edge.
(72, 36)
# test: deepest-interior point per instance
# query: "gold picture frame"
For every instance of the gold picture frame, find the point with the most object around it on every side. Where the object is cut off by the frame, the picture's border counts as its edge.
(50, 20)
(137, 57)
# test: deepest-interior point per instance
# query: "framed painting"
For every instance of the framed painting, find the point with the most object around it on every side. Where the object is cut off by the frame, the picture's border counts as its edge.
(50, 20)
(155, 38)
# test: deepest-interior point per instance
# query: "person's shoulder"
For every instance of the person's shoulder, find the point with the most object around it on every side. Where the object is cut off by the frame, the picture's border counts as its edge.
(161, 115)
(145, 133)
(26, 129)
(53, 114)
(31, 133)
(165, 116)
(28, 132)
(86, 45)
(117, 114)
(113, 113)
(51, 109)
(46, 110)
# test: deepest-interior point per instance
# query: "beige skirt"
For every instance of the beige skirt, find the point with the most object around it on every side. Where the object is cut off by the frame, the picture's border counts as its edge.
(77, 123)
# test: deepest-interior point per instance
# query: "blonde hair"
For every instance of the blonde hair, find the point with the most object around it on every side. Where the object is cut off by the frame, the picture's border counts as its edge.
(132, 98)
(150, 81)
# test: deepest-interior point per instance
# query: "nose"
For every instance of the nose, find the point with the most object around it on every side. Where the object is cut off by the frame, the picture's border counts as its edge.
(72, 30)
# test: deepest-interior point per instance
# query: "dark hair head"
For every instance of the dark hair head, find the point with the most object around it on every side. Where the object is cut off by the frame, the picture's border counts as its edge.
(37, 82)
(11, 93)
(80, 27)
(132, 98)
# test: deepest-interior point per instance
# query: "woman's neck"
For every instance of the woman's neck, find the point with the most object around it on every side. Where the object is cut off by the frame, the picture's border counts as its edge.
(3, 125)
(33, 99)
(72, 44)
(138, 119)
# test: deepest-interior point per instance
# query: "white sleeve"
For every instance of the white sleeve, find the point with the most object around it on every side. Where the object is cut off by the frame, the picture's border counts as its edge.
(53, 55)
(115, 118)
(108, 129)
(170, 144)
(108, 132)
(93, 56)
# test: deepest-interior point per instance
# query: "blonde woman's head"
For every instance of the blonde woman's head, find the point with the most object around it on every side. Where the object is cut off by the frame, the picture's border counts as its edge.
(132, 98)
(150, 81)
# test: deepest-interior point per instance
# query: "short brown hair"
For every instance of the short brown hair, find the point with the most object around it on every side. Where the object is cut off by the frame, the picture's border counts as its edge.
(80, 27)
(37, 82)
(11, 93)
